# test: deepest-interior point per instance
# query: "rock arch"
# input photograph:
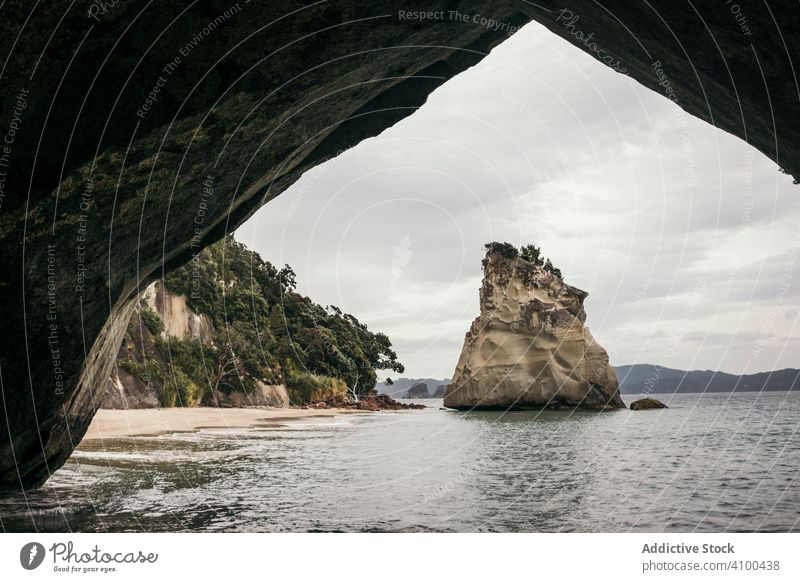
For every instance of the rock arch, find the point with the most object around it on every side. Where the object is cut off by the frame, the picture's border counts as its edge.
(135, 135)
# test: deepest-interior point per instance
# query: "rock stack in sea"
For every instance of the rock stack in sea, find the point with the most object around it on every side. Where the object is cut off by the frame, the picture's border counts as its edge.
(529, 347)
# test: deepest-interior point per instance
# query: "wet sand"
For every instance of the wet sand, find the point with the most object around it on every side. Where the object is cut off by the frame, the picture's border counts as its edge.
(153, 422)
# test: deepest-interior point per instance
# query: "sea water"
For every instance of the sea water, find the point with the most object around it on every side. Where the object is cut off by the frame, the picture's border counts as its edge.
(708, 463)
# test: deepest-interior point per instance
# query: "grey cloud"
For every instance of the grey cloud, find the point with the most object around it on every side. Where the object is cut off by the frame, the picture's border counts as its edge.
(587, 164)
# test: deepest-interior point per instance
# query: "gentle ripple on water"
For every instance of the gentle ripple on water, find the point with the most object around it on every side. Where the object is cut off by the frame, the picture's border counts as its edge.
(715, 462)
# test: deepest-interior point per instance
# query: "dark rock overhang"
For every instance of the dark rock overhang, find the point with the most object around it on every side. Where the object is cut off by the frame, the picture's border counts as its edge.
(137, 133)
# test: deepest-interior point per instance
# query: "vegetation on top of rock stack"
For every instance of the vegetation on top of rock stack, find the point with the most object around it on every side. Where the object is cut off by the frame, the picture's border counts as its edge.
(263, 331)
(529, 252)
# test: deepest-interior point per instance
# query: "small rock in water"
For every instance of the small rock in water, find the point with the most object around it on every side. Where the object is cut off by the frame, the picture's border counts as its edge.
(647, 404)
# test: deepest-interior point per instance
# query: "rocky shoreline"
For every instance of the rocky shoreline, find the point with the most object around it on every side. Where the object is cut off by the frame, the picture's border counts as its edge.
(372, 402)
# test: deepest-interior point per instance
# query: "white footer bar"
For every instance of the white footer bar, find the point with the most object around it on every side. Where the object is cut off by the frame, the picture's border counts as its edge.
(408, 557)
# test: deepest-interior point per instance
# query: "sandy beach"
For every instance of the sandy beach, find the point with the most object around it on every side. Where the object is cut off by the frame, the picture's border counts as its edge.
(154, 422)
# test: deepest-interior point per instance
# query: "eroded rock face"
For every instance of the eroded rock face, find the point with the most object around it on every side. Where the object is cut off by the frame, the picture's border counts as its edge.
(126, 391)
(529, 347)
(179, 320)
(107, 184)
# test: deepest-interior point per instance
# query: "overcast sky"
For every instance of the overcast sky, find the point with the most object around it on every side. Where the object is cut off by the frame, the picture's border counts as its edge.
(685, 238)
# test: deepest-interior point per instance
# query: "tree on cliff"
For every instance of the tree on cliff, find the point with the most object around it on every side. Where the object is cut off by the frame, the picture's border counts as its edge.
(504, 249)
(529, 252)
(268, 328)
(548, 266)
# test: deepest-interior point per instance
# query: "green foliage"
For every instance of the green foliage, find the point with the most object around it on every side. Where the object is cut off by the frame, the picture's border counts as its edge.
(265, 326)
(150, 319)
(504, 249)
(167, 397)
(308, 387)
(190, 365)
(132, 367)
(548, 266)
(147, 371)
(179, 389)
(529, 252)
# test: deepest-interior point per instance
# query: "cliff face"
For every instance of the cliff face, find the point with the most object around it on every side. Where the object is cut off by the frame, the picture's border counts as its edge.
(142, 365)
(529, 347)
(177, 317)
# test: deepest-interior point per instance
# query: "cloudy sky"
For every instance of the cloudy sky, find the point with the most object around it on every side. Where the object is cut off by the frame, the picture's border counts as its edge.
(685, 238)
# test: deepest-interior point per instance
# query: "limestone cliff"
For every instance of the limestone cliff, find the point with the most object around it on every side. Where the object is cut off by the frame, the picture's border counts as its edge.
(529, 347)
(135, 381)
(178, 318)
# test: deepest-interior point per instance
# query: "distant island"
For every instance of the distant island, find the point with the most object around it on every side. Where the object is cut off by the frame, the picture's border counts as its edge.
(650, 378)
(413, 388)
